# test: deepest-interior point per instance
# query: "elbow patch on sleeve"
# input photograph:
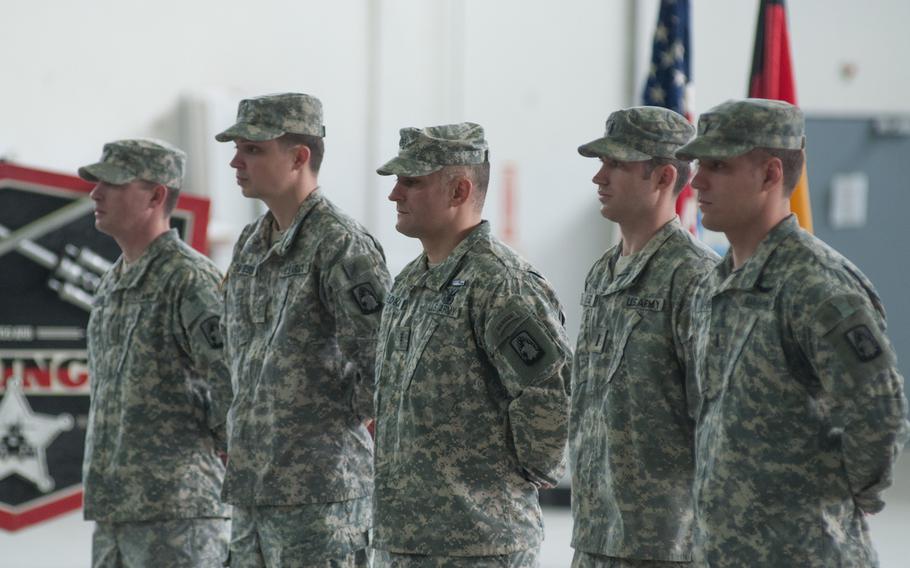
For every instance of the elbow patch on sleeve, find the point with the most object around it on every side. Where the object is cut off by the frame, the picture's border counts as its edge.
(523, 344)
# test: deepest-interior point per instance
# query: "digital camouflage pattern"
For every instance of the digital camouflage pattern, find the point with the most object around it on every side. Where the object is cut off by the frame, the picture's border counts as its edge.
(325, 535)
(271, 116)
(423, 151)
(735, 127)
(640, 133)
(301, 319)
(145, 159)
(521, 559)
(159, 391)
(588, 560)
(632, 432)
(179, 543)
(802, 409)
(472, 377)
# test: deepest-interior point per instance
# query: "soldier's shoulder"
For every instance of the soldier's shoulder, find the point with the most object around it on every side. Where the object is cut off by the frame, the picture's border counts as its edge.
(339, 230)
(820, 270)
(507, 272)
(691, 251)
(184, 263)
(494, 257)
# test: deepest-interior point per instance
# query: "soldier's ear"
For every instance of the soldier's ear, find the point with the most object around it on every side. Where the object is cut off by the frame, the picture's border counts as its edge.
(461, 190)
(666, 176)
(301, 155)
(774, 173)
(159, 195)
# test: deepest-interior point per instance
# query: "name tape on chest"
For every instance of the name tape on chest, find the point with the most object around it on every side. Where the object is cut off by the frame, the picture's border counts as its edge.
(396, 301)
(245, 269)
(652, 304)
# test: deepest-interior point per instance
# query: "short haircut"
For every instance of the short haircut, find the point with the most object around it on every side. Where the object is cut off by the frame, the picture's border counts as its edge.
(314, 143)
(792, 162)
(170, 202)
(479, 174)
(683, 170)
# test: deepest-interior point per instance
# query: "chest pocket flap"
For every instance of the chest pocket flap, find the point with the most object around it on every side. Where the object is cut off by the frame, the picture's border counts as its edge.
(618, 348)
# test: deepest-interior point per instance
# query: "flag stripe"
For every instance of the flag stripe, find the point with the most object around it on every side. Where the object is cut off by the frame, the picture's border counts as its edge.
(772, 77)
(669, 82)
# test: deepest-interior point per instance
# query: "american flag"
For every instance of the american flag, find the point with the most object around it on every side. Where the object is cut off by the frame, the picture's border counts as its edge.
(669, 82)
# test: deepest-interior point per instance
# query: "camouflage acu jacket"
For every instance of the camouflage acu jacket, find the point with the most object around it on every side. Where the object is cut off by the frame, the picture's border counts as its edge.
(472, 403)
(632, 436)
(301, 317)
(159, 389)
(802, 407)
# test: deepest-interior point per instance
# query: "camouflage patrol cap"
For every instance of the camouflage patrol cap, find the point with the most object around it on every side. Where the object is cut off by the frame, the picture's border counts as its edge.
(640, 133)
(270, 116)
(423, 151)
(735, 127)
(143, 158)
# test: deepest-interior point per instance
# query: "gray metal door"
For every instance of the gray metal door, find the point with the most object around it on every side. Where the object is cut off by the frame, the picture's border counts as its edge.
(881, 247)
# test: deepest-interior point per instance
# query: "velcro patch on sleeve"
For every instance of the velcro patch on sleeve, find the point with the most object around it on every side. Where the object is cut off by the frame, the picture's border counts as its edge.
(356, 266)
(855, 334)
(522, 340)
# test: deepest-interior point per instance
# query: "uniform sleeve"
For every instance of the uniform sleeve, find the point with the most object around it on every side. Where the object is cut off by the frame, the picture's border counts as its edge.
(525, 340)
(200, 335)
(354, 286)
(684, 335)
(857, 367)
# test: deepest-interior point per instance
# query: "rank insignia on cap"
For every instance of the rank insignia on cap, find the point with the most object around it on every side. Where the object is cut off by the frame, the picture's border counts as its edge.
(863, 342)
(526, 348)
(366, 298)
(211, 331)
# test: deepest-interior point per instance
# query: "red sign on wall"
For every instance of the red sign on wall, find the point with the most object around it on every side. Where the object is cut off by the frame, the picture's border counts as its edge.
(51, 257)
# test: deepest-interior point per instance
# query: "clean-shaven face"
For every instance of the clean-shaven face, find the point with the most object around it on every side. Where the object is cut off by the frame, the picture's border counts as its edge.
(622, 189)
(422, 204)
(120, 208)
(263, 169)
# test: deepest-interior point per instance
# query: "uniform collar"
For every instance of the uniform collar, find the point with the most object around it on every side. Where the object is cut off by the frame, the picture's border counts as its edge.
(748, 275)
(439, 276)
(136, 274)
(264, 231)
(628, 276)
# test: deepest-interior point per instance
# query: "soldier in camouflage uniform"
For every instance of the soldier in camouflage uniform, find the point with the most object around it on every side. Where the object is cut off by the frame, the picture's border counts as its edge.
(303, 298)
(159, 388)
(632, 435)
(472, 373)
(802, 411)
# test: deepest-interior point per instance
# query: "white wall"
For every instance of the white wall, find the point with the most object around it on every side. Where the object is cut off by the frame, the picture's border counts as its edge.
(540, 76)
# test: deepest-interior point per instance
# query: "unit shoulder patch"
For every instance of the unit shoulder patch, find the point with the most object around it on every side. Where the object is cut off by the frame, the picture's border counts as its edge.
(366, 299)
(528, 350)
(863, 342)
(211, 331)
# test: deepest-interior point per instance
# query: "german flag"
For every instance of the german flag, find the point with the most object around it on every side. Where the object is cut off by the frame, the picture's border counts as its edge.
(772, 78)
